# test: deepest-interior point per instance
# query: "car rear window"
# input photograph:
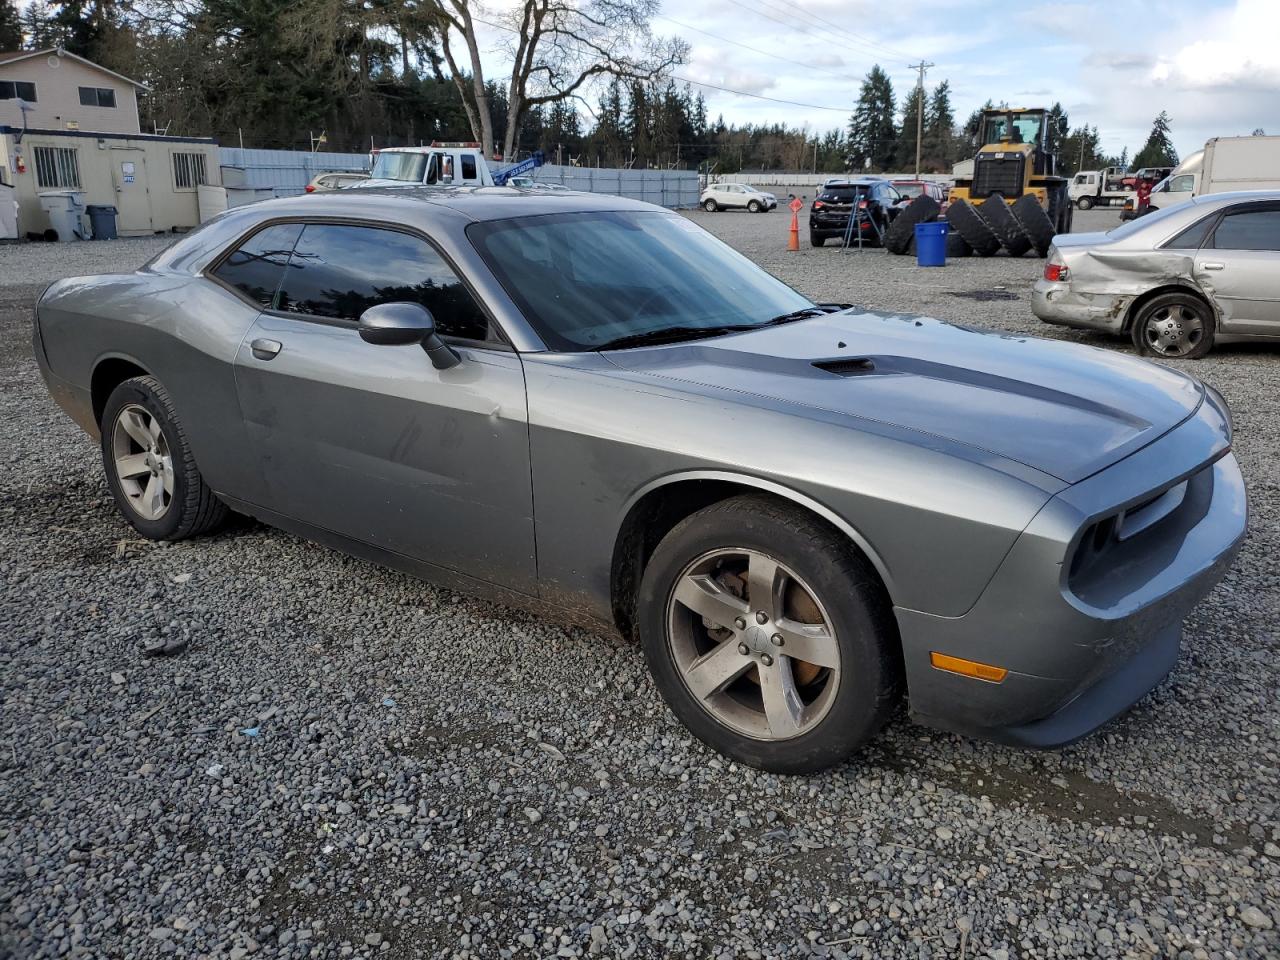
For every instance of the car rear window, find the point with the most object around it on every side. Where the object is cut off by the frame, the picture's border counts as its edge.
(912, 190)
(842, 194)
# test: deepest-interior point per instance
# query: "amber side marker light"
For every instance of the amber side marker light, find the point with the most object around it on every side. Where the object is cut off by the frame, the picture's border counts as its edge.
(968, 668)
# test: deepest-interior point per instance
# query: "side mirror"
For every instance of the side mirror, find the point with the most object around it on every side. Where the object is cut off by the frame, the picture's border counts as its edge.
(399, 324)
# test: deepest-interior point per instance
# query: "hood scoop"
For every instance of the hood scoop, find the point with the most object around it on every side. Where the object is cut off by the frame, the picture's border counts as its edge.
(847, 367)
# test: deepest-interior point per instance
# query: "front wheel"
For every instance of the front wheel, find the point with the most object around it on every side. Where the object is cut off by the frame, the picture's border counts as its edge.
(149, 465)
(767, 635)
(710, 206)
(753, 207)
(1084, 203)
(1175, 325)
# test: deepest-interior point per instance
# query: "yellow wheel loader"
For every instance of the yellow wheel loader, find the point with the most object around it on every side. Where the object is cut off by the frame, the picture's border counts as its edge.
(1016, 196)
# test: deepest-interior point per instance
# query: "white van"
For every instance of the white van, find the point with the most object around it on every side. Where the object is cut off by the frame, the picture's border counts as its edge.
(439, 165)
(1225, 163)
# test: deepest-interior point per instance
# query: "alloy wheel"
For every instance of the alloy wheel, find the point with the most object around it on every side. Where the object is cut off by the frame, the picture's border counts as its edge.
(1173, 330)
(753, 644)
(142, 460)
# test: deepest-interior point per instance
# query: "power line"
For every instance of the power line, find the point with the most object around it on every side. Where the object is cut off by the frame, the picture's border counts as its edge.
(807, 27)
(757, 96)
(714, 36)
(842, 29)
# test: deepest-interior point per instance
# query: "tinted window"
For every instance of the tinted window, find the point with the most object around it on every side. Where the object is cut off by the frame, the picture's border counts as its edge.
(341, 271)
(1192, 237)
(1248, 230)
(468, 167)
(842, 194)
(256, 267)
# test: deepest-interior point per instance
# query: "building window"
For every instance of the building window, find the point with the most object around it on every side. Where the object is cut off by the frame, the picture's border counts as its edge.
(57, 168)
(17, 90)
(97, 97)
(188, 170)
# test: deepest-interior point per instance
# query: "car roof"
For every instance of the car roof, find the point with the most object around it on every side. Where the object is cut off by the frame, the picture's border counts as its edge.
(1235, 196)
(464, 202)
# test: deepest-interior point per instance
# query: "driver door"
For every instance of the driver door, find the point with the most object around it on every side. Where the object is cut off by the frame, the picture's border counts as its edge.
(372, 442)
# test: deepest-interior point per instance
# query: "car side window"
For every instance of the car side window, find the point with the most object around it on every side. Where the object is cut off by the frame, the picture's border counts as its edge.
(1193, 236)
(338, 271)
(1248, 230)
(468, 167)
(256, 266)
(1182, 184)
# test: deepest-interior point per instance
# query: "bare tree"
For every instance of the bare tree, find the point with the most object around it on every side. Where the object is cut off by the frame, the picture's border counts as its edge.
(557, 47)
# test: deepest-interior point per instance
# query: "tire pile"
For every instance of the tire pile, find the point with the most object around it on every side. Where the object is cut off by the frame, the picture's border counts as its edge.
(982, 229)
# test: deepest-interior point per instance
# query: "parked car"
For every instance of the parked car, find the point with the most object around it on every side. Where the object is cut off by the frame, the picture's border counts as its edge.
(740, 196)
(873, 202)
(910, 189)
(323, 182)
(1177, 280)
(801, 510)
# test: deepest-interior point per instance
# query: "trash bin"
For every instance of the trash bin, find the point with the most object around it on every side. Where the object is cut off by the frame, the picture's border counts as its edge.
(931, 243)
(64, 211)
(102, 221)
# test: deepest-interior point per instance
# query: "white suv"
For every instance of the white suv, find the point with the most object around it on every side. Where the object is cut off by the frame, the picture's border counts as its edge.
(727, 196)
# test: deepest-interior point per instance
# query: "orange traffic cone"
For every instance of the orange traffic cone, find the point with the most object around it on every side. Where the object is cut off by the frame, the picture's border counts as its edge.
(793, 241)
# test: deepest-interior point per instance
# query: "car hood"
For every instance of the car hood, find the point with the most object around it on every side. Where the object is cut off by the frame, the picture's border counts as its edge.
(1064, 410)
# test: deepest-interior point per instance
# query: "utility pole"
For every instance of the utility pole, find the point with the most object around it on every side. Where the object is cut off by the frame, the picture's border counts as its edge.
(815, 154)
(921, 67)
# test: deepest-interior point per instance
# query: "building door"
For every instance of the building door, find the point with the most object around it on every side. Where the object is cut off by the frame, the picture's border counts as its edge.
(133, 200)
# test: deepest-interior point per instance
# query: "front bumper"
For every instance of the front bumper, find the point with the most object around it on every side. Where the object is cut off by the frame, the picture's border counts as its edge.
(1059, 304)
(1082, 649)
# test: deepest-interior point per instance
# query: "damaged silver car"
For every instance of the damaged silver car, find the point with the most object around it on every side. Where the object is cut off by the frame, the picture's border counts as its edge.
(1176, 281)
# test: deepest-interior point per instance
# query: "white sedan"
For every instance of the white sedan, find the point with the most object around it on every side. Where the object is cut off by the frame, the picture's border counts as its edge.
(742, 196)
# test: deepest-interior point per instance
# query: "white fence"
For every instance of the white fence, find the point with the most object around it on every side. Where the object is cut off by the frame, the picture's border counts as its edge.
(764, 178)
(287, 172)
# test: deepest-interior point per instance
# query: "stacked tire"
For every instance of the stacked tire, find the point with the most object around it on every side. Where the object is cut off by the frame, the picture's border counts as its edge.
(993, 225)
(900, 237)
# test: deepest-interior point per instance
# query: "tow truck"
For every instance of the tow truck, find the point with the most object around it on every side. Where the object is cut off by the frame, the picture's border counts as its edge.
(443, 163)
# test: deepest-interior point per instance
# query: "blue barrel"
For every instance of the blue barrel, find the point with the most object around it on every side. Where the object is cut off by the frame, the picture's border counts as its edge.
(102, 220)
(931, 243)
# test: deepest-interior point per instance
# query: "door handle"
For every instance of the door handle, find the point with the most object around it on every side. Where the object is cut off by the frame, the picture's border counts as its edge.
(1212, 265)
(265, 349)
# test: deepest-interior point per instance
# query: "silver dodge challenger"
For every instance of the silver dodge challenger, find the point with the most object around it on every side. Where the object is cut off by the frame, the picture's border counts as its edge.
(590, 407)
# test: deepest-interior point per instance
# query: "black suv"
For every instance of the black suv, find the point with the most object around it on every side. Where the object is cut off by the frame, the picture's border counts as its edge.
(871, 199)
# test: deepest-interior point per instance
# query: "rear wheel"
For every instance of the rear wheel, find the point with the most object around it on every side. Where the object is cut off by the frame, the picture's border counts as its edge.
(710, 206)
(767, 637)
(1035, 223)
(897, 239)
(1005, 225)
(1176, 325)
(816, 240)
(149, 465)
(964, 219)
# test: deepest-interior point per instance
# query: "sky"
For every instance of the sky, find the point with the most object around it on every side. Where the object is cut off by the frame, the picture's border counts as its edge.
(1214, 65)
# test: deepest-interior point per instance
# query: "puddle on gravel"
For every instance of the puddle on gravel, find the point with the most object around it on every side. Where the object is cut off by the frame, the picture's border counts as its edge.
(984, 295)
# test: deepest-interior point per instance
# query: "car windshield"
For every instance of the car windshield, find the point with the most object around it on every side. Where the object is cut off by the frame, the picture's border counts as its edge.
(912, 190)
(586, 279)
(1131, 227)
(400, 166)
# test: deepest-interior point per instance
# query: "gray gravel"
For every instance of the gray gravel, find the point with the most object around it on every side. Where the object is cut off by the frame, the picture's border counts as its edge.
(347, 762)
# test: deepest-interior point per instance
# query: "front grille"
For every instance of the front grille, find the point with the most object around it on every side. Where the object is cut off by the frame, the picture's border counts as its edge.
(993, 174)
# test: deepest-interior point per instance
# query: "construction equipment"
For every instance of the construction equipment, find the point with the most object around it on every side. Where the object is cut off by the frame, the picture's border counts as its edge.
(1014, 161)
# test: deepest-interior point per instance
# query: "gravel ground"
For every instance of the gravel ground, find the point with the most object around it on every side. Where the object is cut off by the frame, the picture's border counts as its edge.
(347, 762)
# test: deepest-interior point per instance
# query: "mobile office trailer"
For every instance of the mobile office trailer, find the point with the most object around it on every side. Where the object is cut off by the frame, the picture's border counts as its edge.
(1225, 163)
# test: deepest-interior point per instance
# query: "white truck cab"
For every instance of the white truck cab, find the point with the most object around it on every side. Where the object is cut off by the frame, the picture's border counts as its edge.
(440, 165)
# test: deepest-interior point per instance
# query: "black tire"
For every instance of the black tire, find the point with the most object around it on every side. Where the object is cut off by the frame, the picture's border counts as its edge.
(957, 246)
(1004, 225)
(964, 220)
(1035, 223)
(817, 241)
(1166, 308)
(868, 682)
(753, 207)
(193, 509)
(1085, 203)
(710, 206)
(897, 239)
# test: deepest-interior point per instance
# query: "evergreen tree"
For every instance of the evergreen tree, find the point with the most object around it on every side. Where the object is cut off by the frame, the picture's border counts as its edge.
(37, 24)
(1122, 161)
(905, 154)
(975, 120)
(940, 130)
(1055, 120)
(872, 132)
(10, 26)
(1158, 151)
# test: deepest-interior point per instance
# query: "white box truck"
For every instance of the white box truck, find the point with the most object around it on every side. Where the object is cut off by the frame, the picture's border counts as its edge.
(1225, 163)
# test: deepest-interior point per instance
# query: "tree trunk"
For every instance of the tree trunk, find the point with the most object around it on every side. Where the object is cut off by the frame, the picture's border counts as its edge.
(515, 117)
